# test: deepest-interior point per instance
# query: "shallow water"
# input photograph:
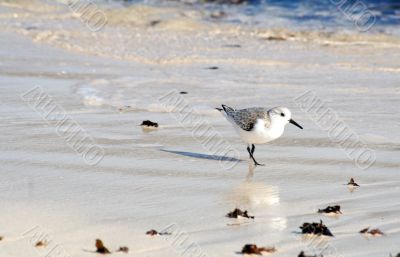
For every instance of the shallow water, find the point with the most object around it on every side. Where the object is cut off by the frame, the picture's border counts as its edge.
(311, 14)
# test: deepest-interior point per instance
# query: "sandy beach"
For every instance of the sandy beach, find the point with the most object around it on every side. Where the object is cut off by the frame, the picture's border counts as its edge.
(107, 82)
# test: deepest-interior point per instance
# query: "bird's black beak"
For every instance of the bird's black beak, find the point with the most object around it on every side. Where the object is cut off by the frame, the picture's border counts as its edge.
(295, 123)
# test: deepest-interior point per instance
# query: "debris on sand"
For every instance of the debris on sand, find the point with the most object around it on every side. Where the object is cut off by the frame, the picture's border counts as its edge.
(315, 229)
(154, 232)
(41, 243)
(100, 248)
(123, 249)
(154, 23)
(301, 254)
(213, 68)
(148, 124)
(123, 108)
(331, 210)
(373, 232)
(233, 45)
(353, 183)
(236, 213)
(1, 238)
(183, 93)
(253, 249)
(275, 38)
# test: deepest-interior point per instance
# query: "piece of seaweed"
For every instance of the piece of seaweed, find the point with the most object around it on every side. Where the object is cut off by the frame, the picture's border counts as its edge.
(315, 229)
(353, 183)
(254, 249)
(373, 232)
(149, 123)
(100, 248)
(236, 213)
(331, 209)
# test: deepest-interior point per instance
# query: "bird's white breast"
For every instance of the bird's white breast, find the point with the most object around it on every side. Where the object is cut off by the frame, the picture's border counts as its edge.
(261, 134)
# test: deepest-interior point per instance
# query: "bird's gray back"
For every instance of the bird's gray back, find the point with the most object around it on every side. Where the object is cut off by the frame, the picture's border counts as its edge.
(247, 118)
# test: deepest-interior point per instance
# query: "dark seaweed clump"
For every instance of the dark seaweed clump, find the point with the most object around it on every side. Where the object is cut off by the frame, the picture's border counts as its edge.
(302, 254)
(154, 232)
(373, 232)
(239, 213)
(100, 248)
(213, 68)
(253, 249)
(331, 209)
(315, 229)
(41, 243)
(353, 183)
(149, 123)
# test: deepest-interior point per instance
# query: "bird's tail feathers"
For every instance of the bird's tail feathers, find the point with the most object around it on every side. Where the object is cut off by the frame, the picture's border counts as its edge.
(227, 109)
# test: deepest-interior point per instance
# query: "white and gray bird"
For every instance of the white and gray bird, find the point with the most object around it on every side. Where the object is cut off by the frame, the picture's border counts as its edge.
(258, 125)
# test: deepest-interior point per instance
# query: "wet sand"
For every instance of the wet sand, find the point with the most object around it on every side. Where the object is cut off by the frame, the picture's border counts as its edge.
(152, 179)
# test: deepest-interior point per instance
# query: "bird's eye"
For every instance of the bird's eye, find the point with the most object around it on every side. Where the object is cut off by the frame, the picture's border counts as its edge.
(282, 114)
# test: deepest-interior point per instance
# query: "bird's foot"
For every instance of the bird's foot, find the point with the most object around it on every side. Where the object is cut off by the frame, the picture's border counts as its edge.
(258, 164)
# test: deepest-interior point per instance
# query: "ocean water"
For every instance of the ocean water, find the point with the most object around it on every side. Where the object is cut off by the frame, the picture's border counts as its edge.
(331, 15)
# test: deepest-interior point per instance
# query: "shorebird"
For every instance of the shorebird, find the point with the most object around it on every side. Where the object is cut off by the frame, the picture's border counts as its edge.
(258, 125)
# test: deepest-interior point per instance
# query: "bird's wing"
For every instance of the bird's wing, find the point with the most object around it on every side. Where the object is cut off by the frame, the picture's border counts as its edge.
(247, 118)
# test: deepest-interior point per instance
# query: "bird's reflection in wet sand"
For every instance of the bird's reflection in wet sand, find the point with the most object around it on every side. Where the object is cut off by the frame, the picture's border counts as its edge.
(250, 173)
(251, 193)
(255, 196)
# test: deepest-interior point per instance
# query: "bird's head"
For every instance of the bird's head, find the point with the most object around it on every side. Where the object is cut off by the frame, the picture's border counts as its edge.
(282, 115)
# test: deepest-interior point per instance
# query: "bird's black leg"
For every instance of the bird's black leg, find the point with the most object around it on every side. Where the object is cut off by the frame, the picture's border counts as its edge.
(252, 148)
(251, 155)
(248, 150)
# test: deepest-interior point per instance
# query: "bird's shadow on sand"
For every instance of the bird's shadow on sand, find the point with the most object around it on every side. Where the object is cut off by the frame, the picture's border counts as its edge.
(203, 156)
